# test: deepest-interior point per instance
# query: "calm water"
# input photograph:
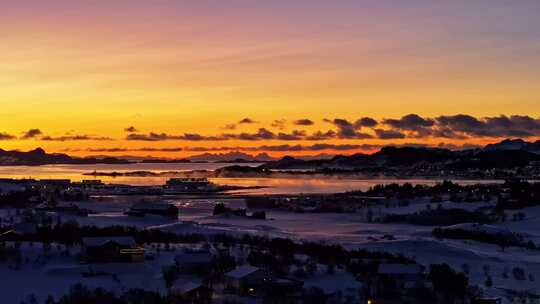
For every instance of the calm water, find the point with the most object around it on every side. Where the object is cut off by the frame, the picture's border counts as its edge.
(275, 185)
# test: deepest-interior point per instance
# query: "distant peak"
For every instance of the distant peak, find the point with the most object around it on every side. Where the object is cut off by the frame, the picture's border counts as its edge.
(37, 151)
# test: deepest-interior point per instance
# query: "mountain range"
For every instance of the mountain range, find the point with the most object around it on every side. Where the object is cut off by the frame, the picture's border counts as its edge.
(40, 157)
(508, 153)
(504, 154)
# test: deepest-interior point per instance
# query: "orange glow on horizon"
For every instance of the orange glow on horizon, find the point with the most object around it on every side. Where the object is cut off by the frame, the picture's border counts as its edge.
(182, 67)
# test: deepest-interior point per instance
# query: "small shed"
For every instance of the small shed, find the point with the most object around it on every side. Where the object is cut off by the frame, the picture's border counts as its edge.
(248, 277)
(111, 249)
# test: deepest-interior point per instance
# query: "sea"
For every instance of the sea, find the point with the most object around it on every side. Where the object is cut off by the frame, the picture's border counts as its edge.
(274, 185)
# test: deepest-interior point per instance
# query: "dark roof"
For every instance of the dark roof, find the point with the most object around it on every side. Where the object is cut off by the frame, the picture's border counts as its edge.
(100, 241)
(242, 271)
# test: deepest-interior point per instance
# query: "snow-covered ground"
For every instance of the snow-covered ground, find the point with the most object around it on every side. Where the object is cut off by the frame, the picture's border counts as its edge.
(349, 229)
(53, 273)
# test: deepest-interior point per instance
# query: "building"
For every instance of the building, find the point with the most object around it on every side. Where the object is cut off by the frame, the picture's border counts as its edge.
(70, 208)
(92, 182)
(248, 279)
(111, 250)
(189, 290)
(162, 209)
(285, 286)
(8, 185)
(193, 261)
(55, 183)
(189, 185)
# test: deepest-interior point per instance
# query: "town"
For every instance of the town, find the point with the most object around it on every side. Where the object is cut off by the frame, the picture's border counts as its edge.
(44, 234)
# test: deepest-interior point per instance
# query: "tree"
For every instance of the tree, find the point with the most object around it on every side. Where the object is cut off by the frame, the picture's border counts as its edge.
(488, 282)
(369, 215)
(170, 274)
(314, 295)
(447, 281)
(331, 269)
(220, 208)
(466, 268)
(49, 300)
(32, 299)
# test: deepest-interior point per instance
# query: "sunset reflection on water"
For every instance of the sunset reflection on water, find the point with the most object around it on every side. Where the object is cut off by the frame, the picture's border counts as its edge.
(275, 185)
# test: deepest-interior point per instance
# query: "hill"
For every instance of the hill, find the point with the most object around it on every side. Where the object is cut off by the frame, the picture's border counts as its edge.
(38, 157)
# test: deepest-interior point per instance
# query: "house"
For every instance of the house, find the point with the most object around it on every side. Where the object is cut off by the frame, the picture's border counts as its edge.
(59, 184)
(8, 186)
(189, 290)
(248, 279)
(190, 261)
(163, 209)
(10, 236)
(70, 208)
(285, 286)
(111, 249)
(18, 231)
(189, 185)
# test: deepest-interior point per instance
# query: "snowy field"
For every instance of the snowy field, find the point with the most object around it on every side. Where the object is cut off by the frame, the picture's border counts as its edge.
(348, 229)
(54, 272)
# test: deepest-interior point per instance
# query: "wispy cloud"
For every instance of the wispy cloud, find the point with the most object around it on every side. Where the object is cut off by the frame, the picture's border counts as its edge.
(32, 133)
(76, 138)
(6, 136)
(247, 120)
(304, 122)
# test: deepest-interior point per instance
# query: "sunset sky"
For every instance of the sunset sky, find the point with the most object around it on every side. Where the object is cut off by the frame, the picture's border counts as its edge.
(285, 77)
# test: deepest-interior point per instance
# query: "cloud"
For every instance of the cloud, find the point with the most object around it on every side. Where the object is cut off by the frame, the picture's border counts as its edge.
(320, 135)
(153, 136)
(261, 134)
(144, 149)
(459, 127)
(131, 129)
(32, 133)
(365, 122)
(415, 125)
(279, 123)
(389, 134)
(6, 136)
(462, 123)
(262, 148)
(247, 120)
(304, 122)
(229, 127)
(411, 122)
(286, 148)
(276, 148)
(497, 126)
(294, 135)
(198, 137)
(233, 126)
(347, 130)
(75, 138)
